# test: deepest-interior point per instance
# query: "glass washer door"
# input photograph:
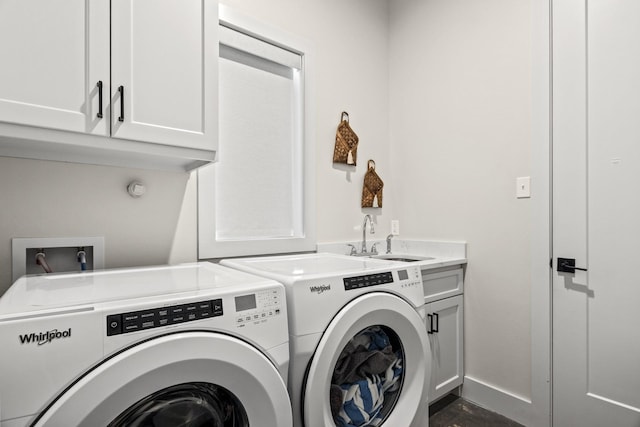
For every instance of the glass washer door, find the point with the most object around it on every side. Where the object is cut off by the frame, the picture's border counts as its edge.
(373, 309)
(170, 366)
(185, 405)
(368, 377)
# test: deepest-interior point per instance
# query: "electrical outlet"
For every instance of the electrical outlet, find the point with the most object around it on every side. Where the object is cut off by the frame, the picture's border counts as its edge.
(395, 227)
(61, 254)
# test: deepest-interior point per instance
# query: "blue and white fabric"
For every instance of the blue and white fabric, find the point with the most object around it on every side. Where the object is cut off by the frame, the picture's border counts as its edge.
(374, 370)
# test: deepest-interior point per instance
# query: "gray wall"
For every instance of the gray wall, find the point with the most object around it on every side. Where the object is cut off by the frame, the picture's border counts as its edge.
(461, 134)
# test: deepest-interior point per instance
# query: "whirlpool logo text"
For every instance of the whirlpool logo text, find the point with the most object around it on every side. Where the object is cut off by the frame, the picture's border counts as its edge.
(320, 289)
(44, 337)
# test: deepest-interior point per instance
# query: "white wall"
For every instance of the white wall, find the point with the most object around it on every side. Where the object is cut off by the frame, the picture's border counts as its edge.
(54, 199)
(43, 199)
(461, 134)
(350, 40)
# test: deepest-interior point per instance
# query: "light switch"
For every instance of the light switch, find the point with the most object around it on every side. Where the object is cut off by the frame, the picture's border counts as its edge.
(523, 187)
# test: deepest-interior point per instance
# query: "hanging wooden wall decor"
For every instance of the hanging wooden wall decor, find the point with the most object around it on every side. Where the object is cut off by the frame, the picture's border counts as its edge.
(346, 148)
(372, 187)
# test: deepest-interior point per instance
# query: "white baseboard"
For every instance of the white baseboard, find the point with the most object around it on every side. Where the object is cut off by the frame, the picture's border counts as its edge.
(487, 396)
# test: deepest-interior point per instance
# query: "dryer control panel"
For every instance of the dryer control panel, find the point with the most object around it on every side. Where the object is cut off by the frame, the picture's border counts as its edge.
(133, 321)
(258, 307)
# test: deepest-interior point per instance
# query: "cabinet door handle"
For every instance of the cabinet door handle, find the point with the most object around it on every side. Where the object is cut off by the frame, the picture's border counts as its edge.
(430, 326)
(121, 90)
(437, 328)
(99, 99)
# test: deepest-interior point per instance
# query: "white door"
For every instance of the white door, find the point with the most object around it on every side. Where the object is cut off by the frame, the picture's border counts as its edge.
(596, 212)
(53, 54)
(164, 56)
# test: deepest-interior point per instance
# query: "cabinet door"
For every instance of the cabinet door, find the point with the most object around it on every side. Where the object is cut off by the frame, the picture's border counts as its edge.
(164, 58)
(441, 283)
(53, 53)
(446, 338)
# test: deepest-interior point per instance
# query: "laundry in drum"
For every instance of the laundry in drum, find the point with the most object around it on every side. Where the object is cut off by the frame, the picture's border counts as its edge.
(365, 380)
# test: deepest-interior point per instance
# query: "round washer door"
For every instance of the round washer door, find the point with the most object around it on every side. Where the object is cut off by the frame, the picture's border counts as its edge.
(177, 369)
(391, 313)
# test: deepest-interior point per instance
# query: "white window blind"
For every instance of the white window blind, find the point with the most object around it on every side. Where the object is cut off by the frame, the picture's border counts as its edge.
(253, 199)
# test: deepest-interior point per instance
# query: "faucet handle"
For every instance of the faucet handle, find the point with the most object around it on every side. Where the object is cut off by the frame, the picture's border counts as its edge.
(373, 248)
(389, 237)
(353, 250)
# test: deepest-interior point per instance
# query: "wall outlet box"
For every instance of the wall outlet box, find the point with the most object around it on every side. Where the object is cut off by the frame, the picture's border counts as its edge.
(61, 254)
(523, 187)
(395, 227)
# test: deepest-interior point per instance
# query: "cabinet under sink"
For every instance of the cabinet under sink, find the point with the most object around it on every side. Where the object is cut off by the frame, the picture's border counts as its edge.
(444, 305)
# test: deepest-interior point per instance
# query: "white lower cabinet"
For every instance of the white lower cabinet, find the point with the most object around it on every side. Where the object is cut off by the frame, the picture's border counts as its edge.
(444, 325)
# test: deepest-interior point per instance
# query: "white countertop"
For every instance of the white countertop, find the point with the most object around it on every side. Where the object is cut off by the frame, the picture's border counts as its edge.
(444, 254)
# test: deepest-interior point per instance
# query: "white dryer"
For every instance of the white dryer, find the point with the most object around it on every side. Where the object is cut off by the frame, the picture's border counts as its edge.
(189, 345)
(335, 304)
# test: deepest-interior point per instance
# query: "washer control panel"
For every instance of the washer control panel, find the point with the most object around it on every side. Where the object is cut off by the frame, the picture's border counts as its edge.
(358, 282)
(133, 321)
(409, 277)
(258, 307)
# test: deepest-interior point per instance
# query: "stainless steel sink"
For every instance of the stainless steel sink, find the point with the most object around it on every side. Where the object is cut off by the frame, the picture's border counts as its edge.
(402, 258)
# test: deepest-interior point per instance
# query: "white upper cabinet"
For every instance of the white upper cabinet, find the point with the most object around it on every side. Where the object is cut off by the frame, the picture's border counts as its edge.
(162, 52)
(53, 53)
(120, 82)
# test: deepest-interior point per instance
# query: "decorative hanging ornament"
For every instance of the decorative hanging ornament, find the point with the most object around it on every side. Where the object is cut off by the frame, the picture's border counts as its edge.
(372, 188)
(346, 148)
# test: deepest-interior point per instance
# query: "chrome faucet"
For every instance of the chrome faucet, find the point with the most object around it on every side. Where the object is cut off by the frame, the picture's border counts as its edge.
(389, 237)
(364, 232)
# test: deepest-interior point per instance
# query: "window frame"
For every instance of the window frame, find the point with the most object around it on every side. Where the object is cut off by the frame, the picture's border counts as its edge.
(208, 246)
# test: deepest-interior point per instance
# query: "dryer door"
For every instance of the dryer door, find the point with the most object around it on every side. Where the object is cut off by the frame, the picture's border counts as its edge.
(371, 366)
(186, 378)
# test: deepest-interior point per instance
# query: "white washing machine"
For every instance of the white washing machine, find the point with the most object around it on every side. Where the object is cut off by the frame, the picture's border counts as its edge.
(187, 345)
(338, 305)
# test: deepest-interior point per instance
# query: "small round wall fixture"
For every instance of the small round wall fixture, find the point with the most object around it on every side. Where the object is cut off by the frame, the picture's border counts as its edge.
(136, 189)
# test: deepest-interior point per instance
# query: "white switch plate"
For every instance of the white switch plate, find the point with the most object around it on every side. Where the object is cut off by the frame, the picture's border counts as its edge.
(523, 187)
(395, 227)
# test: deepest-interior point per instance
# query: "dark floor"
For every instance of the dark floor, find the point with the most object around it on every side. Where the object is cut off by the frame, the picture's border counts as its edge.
(453, 411)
